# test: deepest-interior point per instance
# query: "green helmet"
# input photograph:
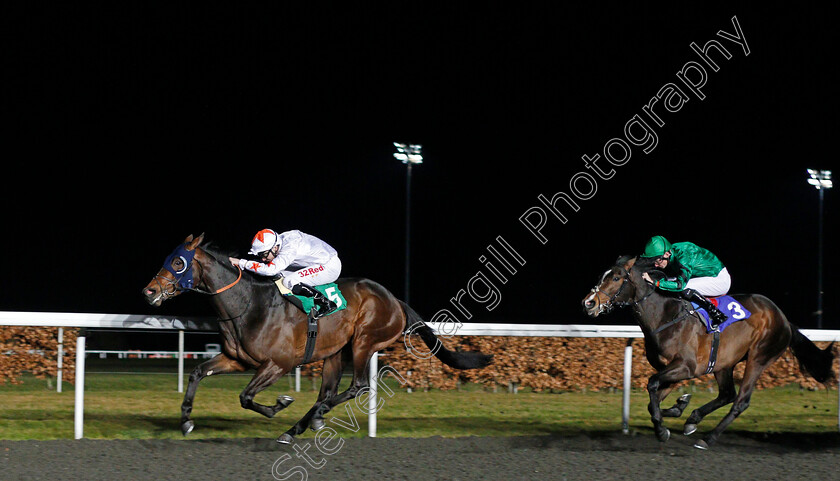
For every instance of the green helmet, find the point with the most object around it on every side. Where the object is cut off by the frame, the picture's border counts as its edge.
(656, 246)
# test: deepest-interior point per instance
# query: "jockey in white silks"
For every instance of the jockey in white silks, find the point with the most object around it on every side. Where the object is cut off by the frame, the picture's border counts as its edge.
(303, 260)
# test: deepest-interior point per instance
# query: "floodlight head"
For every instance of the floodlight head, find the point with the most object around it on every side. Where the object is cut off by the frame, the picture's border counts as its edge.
(408, 154)
(820, 179)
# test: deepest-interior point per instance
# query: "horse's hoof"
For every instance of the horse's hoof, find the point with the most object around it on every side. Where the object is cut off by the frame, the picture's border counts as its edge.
(663, 435)
(683, 400)
(690, 429)
(187, 427)
(701, 445)
(284, 400)
(285, 438)
(317, 424)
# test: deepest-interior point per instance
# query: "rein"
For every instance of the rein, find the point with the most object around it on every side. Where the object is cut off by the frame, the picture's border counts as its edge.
(220, 290)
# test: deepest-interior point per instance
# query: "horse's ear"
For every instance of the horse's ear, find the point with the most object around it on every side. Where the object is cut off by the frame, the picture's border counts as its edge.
(626, 262)
(192, 243)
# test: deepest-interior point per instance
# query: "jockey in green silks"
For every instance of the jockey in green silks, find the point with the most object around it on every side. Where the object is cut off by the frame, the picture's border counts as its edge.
(691, 270)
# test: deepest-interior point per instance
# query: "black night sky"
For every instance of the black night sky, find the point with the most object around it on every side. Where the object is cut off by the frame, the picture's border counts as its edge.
(129, 127)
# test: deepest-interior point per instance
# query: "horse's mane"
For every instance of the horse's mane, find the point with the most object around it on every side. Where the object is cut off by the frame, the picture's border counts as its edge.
(644, 263)
(641, 265)
(216, 250)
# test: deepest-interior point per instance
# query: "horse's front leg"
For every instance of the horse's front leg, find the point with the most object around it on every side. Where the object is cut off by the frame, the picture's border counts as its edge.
(659, 382)
(677, 409)
(266, 375)
(220, 364)
(330, 379)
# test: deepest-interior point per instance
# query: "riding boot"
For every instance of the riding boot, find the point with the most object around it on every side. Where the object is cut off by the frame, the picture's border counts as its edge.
(715, 315)
(323, 304)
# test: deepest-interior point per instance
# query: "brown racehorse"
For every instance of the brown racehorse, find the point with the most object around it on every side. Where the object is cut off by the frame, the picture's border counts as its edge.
(679, 348)
(262, 331)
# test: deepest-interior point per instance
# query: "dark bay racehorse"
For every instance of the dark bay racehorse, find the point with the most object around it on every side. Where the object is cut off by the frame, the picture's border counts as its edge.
(262, 331)
(679, 348)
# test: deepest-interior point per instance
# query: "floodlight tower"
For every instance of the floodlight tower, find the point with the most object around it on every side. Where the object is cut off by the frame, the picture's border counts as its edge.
(821, 180)
(409, 155)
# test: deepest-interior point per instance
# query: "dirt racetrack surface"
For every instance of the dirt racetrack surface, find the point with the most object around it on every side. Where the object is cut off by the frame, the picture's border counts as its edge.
(742, 456)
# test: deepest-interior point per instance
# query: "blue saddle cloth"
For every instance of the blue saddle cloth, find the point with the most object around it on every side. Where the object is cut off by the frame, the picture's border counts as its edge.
(734, 311)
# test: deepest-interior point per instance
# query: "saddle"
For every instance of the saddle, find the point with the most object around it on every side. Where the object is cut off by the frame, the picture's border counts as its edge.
(308, 307)
(732, 309)
(734, 312)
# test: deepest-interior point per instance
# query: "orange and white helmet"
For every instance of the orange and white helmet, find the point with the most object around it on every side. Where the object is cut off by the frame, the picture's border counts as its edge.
(263, 241)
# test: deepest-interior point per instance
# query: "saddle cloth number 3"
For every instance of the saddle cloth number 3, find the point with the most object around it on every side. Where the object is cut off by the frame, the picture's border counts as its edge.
(735, 309)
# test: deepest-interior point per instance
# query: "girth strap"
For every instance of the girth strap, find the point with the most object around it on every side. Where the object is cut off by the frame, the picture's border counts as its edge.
(714, 352)
(311, 334)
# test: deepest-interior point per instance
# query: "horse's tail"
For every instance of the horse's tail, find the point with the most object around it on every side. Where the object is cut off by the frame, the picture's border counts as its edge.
(815, 361)
(458, 360)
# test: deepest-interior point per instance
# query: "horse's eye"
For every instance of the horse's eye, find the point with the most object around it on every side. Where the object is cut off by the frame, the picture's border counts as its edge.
(179, 264)
(616, 279)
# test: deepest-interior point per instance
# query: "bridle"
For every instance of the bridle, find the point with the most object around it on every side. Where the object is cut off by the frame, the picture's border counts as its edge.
(612, 302)
(183, 279)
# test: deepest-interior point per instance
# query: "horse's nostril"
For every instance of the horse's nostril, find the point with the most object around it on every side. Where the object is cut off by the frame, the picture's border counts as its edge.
(590, 304)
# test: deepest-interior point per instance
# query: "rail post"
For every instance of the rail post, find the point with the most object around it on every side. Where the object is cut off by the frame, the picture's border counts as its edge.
(79, 411)
(180, 360)
(372, 400)
(628, 370)
(60, 354)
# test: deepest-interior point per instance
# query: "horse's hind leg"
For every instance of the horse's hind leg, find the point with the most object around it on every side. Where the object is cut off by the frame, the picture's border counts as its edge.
(329, 387)
(330, 379)
(266, 375)
(726, 393)
(218, 365)
(741, 401)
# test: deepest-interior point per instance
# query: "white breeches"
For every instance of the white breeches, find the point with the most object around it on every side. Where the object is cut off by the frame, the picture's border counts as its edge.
(313, 275)
(711, 286)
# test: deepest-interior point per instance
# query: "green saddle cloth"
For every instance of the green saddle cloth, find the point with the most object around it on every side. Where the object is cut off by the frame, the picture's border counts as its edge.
(331, 291)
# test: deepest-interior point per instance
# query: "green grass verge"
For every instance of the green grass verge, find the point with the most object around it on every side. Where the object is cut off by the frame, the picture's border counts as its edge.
(147, 406)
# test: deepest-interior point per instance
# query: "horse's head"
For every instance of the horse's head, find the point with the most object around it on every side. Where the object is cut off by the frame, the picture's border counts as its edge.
(614, 288)
(176, 275)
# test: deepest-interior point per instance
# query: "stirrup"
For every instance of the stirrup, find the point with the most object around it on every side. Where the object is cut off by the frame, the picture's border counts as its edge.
(321, 310)
(716, 318)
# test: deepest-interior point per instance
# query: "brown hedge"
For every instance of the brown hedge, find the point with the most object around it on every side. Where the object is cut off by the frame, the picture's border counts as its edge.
(556, 364)
(15, 358)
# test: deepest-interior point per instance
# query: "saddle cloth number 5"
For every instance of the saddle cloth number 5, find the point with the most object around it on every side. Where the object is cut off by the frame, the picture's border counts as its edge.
(331, 294)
